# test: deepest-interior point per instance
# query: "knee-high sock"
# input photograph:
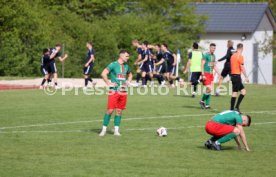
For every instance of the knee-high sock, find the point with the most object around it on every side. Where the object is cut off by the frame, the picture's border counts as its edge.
(226, 138)
(204, 97)
(138, 77)
(233, 101)
(43, 81)
(194, 87)
(117, 120)
(208, 99)
(143, 81)
(239, 101)
(89, 79)
(214, 138)
(85, 82)
(157, 77)
(171, 82)
(106, 119)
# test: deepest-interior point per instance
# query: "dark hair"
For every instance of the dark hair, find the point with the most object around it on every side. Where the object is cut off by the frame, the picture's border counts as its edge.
(158, 45)
(58, 45)
(89, 42)
(239, 46)
(123, 51)
(212, 45)
(165, 45)
(45, 50)
(146, 43)
(195, 45)
(249, 120)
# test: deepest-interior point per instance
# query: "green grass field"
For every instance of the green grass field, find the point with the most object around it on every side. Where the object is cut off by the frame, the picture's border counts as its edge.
(57, 135)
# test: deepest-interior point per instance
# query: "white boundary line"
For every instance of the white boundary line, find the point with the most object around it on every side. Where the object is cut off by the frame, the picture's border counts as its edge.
(127, 119)
(131, 129)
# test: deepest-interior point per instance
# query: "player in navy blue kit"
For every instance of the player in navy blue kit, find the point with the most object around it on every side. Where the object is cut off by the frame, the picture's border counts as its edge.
(45, 60)
(89, 64)
(139, 51)
(160, 65)
(170, 58)
(146, 63)
(55, 53)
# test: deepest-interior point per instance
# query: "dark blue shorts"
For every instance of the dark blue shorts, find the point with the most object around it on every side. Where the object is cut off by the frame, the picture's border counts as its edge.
(44, 70)
(161, 69)
(171, 69)
(52, 68)
(87, 70)
(195, 77)
(147, 67)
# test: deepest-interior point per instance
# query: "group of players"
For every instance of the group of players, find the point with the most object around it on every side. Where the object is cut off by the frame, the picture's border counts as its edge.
(156, 61)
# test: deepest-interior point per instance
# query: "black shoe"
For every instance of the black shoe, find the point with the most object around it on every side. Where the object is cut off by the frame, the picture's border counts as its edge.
(202, 104)
(216, 147)
(193, 95)
(208, 144)
(207, 107)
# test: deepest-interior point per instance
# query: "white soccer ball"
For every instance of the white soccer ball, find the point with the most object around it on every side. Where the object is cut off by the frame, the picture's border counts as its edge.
(162, 131)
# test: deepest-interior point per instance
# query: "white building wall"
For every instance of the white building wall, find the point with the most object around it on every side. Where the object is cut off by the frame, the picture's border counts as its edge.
(263, 31)
(263, 35)
(220, 39)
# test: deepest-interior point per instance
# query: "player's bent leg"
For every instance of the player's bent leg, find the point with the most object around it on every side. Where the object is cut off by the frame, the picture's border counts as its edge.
(106, 120)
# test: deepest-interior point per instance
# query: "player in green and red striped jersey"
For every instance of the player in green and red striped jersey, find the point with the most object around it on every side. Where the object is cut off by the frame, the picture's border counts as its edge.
(226, 126)
(120, 77)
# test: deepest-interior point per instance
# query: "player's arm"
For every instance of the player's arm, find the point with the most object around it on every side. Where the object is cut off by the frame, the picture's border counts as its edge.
(244, 73)
(160, 62)
(174, 59)
(105, 78)
(129, 77)
(53, 55)
(202, 68)
(216, 69)
(92, 59)
(187, 66)
(139, 58)
(243, 137)
(238, 142)
(61, 59)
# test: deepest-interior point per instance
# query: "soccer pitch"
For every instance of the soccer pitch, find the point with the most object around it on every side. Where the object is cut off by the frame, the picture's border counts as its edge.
(57, 135)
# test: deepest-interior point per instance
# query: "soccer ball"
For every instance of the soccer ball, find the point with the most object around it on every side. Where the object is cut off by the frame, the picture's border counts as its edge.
(162, 131)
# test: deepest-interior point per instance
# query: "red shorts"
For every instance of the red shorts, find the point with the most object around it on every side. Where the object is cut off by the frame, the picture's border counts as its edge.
(117, 100)
(209, 79)
(218, 129)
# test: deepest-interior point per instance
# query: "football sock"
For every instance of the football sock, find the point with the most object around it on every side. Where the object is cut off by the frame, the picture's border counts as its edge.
(89, 79)
(239, 100)
(138, 77)
(204, 97)
(143, 81)
(214, 138)
(208, 99)
(177, 79)
(43, 81)
(116, 128)
(171, 82)
(233, 101)
(106, 119)
(49, 80)
(194, 87)
(85, 82)
(117, 120)
(226, 138)
(55, 83)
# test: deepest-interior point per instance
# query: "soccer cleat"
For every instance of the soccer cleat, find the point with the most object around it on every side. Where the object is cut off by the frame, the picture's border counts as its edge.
(102, 133)
(193, 94)
(57, 87)
(207, 107)
(202, 104)
(208, 144)
(84, 88)
(238, 110)
(217, 94)
(41, 87)
(216, 147)
(116, 133)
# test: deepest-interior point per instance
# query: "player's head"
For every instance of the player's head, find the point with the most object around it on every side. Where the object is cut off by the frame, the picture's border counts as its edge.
(89, 44)
(58, 46)
(46, 51)
(246, 120)
(195, 45)
(145, 45)
(230, 43)
(164, 47)
(240, 47)
(135, 43)
(158, 47)
(124, 55)
(212, 47)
